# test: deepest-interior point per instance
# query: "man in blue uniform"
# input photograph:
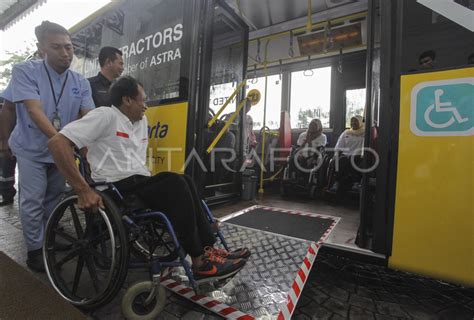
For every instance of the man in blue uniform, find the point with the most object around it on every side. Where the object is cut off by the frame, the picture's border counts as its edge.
(48, 96)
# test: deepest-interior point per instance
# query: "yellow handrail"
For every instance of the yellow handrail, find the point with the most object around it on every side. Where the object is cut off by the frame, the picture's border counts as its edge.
(227, 124)
(309, 23)
(213, 120)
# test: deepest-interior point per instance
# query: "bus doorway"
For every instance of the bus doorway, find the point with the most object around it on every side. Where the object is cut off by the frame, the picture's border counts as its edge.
(220, 115)
(306, 64)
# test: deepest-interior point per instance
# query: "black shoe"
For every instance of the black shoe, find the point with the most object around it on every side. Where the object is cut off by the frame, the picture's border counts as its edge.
(6, 201)
(35, 260)
(334, 188)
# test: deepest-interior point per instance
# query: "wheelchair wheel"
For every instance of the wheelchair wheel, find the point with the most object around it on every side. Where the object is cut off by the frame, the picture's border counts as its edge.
(133, 302)
(154, 242)
(93, 270)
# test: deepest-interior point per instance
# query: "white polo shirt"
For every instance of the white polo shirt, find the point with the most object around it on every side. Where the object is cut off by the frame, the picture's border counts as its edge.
(117, 147)
(350, 144)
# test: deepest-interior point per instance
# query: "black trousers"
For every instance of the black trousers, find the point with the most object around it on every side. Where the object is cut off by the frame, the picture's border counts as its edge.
(347, 173)
(7, 176)
(176, 196)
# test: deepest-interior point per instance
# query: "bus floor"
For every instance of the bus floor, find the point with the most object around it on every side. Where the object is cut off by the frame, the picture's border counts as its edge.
(343, 234)
(338, 287)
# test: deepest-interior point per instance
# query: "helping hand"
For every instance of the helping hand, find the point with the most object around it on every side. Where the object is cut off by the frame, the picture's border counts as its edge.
(90, 200)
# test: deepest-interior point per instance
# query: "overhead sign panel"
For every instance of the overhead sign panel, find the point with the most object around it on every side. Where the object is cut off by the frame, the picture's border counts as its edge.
(330, 40)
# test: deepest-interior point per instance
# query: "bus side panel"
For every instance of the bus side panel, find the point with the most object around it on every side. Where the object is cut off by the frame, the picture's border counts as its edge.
(434, 210)
(167, 125)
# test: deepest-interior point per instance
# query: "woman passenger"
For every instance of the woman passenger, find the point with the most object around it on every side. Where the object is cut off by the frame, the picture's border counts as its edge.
(311, 139)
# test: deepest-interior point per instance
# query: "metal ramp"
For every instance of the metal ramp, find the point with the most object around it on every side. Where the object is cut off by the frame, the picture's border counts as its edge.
(270, 284)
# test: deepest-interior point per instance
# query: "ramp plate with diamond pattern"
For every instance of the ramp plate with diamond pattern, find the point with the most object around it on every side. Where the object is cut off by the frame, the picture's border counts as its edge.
(269, 285)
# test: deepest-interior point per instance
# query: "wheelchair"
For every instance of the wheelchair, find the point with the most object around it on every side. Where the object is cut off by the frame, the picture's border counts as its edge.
(101, 247)
(349, 186)
(311, 183)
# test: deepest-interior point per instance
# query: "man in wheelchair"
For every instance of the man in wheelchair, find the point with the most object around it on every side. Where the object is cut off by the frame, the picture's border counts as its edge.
(117, 140)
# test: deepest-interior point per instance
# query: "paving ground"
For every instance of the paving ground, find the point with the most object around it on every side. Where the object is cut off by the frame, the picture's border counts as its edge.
(338, 288)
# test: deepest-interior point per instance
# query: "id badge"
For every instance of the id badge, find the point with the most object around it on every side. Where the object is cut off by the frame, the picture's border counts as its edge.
(57, 122)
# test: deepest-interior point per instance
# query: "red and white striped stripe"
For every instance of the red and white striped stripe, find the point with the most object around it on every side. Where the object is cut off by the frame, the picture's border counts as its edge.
(303, 273)
(298, 213)
(215, 306)
(296, 289)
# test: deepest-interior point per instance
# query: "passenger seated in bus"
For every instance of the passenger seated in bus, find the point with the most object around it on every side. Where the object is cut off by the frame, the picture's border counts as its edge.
(308, 141)
(117, 140)
(470, 59)
(426, 59)
(350, 144)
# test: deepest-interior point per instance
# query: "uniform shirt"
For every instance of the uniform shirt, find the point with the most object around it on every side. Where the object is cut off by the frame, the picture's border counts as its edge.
(100, 90)
(30, 82)
(116, 146)
(7, 93)
(350, 144)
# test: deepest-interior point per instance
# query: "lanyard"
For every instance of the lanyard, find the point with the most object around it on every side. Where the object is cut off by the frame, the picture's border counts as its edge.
(56, 101)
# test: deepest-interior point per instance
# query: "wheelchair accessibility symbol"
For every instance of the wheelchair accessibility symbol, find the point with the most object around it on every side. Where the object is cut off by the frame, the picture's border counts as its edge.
(443, 108)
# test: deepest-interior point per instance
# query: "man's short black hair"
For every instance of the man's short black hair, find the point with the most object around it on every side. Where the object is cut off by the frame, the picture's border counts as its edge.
(470, 59)
(108, 53)
(429, 53)
(125, 86)
(49, 27)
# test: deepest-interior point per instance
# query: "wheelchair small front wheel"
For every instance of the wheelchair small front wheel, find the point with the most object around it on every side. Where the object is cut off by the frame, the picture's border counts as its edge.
(133, 302)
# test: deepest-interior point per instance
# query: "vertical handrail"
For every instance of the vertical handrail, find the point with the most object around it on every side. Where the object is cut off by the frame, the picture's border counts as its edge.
(309, 22)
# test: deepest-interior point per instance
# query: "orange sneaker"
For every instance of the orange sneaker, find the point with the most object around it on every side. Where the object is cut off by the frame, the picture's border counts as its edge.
(241, 253)
(217, 268)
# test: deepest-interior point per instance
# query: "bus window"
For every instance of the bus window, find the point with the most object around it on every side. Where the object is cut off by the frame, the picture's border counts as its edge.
(355, 103)
(273, 101)
(310, 97)
(219, 94)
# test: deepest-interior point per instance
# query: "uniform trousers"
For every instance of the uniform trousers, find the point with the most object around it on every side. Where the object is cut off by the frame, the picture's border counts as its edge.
(7, 176)
(41, 188)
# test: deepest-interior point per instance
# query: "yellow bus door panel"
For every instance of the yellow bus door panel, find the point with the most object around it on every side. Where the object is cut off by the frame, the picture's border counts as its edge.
(434, 210)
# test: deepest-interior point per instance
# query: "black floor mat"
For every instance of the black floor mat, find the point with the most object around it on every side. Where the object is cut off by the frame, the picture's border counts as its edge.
(293, 225)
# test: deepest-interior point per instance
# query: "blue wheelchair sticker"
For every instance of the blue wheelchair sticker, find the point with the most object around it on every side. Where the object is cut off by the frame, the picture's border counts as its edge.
(443, 108)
